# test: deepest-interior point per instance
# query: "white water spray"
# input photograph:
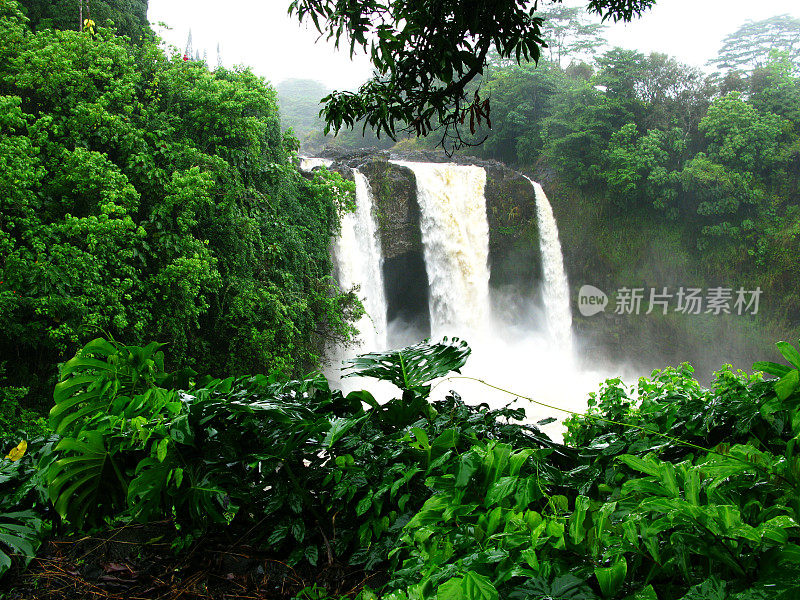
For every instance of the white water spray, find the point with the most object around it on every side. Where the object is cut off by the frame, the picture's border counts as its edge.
(555, 286)
(455, 238)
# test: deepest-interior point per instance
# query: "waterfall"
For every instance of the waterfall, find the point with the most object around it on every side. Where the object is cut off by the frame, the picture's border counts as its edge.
(516, 347)
(359, 262)
(455, 239)
(308, 164)
(555, 287)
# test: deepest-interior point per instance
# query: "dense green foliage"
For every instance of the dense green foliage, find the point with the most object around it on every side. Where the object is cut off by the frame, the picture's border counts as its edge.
(654, 136)
(754, 44)
(25, 512)
(128, 16)
(145, 196)
(683, 493)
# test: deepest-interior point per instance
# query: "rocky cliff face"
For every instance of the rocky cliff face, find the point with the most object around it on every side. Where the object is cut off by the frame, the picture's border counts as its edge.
(510, 206)
(397, 211)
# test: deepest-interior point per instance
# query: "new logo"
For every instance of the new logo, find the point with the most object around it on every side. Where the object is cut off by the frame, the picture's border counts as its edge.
(591, 300)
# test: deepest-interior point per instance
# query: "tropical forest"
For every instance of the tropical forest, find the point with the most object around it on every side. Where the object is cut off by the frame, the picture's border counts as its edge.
(399, 300)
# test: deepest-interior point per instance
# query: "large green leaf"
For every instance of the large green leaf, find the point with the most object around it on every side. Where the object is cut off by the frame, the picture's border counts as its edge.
(412, 367)
(645, 465)
(104, 378)
(646, 593)
(612, 578)
(788, 378)
(790, 353)
(564, 587)
(787, 384)
(478, 587)
(771, 368)
(84, 479)
(450, 589)
(19, 536)
(576, 519)
(710, 589)
(146, 490)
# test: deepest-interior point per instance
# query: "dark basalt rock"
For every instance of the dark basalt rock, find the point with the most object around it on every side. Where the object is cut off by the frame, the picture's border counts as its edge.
(395, 192)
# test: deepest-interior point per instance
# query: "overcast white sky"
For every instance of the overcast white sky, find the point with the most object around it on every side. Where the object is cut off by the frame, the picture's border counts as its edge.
(260, 34)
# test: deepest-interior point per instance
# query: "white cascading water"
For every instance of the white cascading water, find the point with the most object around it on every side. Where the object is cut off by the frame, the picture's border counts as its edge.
(455, 239)
(359, 262)
(555, 286)
(308, 163)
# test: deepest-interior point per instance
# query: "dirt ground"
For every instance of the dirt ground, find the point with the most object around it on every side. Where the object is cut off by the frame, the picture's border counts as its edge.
(139, 563)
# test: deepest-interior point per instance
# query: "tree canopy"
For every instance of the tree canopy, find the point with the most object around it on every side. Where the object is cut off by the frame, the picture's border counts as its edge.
(129, 16)
(570, 32)
(754, 43)
(425, 55)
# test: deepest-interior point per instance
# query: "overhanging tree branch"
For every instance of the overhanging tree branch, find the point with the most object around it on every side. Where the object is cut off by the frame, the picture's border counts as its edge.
(426, 53)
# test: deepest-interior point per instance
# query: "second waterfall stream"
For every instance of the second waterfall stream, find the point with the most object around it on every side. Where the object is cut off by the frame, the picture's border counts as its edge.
(359, 262)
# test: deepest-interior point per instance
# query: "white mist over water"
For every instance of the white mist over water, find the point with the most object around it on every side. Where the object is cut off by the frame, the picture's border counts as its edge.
(455, 239)
(555, 287)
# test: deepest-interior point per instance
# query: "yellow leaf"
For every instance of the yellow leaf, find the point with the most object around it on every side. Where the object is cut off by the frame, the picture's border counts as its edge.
(18, 452)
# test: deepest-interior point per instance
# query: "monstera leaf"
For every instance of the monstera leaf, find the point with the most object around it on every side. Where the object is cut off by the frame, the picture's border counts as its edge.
(106, 378)
(85, 478)
(412, 367)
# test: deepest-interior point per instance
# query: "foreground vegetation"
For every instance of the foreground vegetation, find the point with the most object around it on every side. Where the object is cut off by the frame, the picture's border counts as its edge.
(683, 493)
